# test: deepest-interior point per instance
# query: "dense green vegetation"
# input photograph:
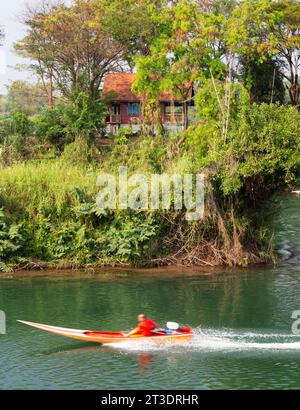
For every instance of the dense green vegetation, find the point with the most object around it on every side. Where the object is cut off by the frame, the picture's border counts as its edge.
(50, 204)
(245, 138)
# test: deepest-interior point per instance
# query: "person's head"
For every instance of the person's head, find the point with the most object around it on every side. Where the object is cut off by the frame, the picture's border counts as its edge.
(141, 317)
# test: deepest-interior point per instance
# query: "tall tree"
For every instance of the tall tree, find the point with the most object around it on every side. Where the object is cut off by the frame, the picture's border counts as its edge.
(263, 79)
(191, 47)
(270, 28)
(74, 46)
(286, 37)
(133, 23)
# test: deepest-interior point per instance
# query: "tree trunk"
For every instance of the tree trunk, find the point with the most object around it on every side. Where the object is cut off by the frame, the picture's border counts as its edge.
(50, 94)
(185, 115)
(294, 92)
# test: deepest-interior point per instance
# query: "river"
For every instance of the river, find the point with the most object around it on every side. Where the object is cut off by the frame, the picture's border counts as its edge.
(242, 319)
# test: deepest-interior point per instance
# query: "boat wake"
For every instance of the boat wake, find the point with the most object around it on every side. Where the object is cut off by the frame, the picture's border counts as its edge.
(222, 340)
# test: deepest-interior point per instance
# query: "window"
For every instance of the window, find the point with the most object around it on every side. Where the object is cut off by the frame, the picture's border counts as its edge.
(134, 109)
(115, 109)
(167, 108)
(178, 109)
(173, 108)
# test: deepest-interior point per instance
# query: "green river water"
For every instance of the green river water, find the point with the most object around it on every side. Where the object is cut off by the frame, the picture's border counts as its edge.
(242, 320)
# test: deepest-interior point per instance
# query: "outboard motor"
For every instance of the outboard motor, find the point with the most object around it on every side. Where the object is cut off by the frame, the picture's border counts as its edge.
(171, 326)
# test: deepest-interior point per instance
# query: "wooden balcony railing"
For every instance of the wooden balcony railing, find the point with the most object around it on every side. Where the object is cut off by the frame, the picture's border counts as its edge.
(175, 118)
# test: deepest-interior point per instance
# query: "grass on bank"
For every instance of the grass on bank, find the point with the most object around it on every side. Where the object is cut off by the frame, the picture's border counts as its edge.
(49, 212)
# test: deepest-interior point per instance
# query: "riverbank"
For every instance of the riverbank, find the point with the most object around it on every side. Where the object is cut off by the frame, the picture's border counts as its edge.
(285, 223)
(113, 272)
(121, 271)
(49, 219)
(49, 210)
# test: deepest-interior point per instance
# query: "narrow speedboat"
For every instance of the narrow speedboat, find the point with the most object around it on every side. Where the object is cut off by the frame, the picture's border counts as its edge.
(180, 334)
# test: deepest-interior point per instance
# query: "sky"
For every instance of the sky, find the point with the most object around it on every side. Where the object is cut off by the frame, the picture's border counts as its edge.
(10, 11)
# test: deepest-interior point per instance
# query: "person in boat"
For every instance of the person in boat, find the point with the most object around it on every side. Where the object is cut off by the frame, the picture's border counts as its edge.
(145, 327)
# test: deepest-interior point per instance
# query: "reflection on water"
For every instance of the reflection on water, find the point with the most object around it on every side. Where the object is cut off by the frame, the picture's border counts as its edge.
(80, 347)
(144, 358)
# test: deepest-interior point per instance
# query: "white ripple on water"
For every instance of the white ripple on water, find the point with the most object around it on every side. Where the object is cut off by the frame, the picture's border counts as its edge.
(227, 340)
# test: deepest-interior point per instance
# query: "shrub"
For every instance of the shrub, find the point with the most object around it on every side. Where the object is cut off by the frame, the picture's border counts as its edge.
(14, 133)
(50, 126)
(122, 136)
(128, 238)
(81, 117)
(10, 241)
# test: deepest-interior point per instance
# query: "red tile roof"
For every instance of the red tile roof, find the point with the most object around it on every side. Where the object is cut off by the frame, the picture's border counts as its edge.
(118, 85)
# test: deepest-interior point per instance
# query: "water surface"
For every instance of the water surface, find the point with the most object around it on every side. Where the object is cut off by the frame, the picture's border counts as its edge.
(242, 321)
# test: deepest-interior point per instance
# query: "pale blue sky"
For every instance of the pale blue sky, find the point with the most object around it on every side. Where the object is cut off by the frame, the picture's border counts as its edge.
(10, 11)
(14, 30)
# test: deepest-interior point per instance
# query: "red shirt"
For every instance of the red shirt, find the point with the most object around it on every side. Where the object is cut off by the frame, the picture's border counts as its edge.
(145, 327)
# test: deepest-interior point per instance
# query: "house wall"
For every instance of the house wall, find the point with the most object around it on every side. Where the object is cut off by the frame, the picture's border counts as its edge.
(124, 114)
(133, 121)
(125, 118)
